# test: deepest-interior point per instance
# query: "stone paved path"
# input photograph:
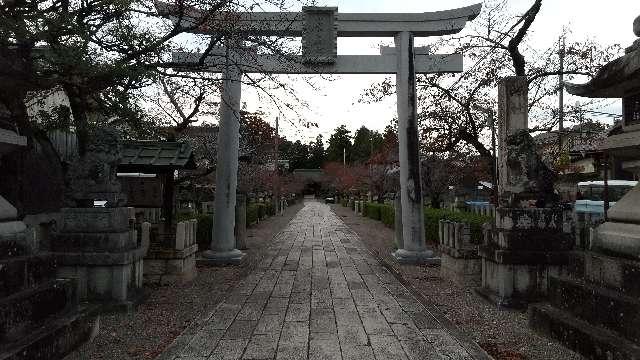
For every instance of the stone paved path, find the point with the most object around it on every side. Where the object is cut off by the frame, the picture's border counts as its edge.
(318, 294)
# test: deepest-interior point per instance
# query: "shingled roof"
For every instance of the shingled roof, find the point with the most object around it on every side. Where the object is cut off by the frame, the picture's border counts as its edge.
(156, 156)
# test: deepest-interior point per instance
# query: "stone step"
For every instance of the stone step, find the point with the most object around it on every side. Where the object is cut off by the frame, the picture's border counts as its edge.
(599, 306)
(59, 336)
(613, 272)
(30, 308)
(23, 272)
(590, 341)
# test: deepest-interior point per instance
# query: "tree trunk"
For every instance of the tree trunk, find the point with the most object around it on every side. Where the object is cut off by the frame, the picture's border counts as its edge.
(79, 107)
(518, 60)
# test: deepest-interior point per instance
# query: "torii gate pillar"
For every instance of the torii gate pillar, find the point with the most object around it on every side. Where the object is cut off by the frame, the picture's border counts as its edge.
(414, 248)
(223, 244)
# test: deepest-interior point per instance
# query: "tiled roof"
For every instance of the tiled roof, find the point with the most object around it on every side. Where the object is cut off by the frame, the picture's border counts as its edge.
(140, 155)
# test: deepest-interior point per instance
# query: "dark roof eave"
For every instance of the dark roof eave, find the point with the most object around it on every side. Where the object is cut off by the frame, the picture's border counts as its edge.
(617, 79)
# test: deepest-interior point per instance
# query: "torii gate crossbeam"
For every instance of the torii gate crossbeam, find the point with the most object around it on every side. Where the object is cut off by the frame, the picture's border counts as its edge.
(319, 28)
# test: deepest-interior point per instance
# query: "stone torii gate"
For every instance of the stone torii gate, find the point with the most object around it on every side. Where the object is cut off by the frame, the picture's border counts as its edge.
(319, 28)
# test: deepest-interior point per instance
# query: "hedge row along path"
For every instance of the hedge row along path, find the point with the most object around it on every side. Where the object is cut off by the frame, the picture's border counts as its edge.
(318, 294)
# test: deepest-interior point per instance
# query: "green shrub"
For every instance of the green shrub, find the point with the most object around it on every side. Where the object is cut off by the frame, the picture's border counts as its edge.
(388, 215)
(252, 213)
(432, 218)
(270, 208)
(372, 210)
(344, 202)
(262, 210)
(204, 231)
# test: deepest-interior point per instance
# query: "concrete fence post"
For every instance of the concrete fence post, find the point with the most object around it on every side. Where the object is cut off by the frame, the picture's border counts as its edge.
(180, 235)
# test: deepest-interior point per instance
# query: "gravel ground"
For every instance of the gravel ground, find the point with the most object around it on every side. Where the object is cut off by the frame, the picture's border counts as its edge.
(504, 334)
(168, 310)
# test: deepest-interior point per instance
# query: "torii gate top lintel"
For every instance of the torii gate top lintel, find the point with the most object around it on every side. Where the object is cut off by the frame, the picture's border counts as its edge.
(296, 24)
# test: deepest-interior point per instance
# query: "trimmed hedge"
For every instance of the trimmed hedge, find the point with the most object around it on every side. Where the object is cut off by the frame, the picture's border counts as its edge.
(271, 208)
(252, 214)
(262, 210)
(432, 217)
(380, 212)
(371, 210)
(388, 215)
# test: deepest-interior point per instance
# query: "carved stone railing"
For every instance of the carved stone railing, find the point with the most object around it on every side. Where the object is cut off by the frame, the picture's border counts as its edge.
(186, 232)
(152, 215)
(460, 260)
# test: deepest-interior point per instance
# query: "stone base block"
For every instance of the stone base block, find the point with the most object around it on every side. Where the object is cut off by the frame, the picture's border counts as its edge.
(95, 220)
(619, 239)
(613, 273)
(170, 267)
(213, 258)
(416, 258)
(117, 285)
(600, 307)
(56, 338)
(462, 271)
(580, 336)
(516, 285)
(9, 228)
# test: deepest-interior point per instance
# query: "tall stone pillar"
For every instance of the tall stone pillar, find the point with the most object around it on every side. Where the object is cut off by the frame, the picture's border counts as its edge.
(513, 115)
(223, 244)
(414, 249)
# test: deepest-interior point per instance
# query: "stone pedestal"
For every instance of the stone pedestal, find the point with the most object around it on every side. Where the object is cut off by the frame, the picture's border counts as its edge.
(525, 249)
(596, 309)
(594, 312)
(101, 250)
(172, 254)
(461, 263)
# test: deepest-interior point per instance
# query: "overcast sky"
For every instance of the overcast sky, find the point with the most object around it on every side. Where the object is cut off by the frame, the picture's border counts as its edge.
(335, 101)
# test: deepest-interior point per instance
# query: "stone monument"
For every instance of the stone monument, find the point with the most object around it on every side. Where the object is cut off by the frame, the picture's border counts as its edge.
(596, 311)
(530, 239)
(41, 316)
(100, 246)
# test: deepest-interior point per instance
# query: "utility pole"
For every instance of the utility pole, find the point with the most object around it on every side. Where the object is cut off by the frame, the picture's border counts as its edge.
(276, 180)
(494, 170)
(344, 157)
(561, 53)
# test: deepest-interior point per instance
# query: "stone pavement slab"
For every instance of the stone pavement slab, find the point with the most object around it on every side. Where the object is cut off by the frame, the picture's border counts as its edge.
(318, 294)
